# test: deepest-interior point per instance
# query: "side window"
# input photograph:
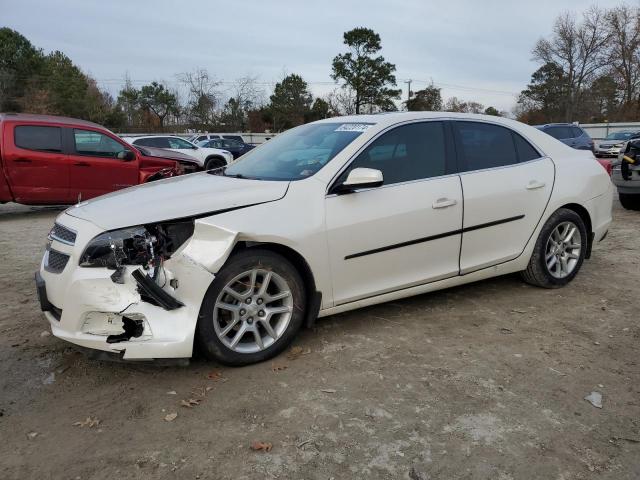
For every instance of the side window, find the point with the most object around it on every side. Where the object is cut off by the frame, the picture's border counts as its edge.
(483, 145)
(157, 142)
(525, 151)
(577, 132)
(44, 139)
(409, 152)
(178, 143)
(96, 144)
(201, 138)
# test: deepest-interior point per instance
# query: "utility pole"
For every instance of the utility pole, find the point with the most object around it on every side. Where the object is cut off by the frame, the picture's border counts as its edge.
(408, 82)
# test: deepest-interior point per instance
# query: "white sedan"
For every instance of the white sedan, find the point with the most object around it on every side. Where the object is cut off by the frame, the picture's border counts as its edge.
(327, 217)
(207, 158)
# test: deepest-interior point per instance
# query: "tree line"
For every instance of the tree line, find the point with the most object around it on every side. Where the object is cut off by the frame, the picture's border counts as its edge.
(589, 69)
(589, 72)
(35, 82)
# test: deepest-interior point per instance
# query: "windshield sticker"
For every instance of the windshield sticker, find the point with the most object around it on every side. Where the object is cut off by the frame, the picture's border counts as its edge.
(353, 127)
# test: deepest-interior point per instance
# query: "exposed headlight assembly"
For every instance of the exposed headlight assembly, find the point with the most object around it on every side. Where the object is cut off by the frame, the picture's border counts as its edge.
(143, 245)
(127, 246)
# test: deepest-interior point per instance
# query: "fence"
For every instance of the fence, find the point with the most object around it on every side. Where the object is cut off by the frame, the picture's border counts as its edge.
(598, 131)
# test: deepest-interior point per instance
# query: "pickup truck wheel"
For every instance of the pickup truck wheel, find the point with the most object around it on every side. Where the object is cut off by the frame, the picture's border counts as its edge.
(559, 251)
(214, 162)
(630, 201)
(252, 310)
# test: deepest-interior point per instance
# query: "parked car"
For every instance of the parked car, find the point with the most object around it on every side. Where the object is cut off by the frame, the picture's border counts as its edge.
(626, 175)
(613, 143)
(207, 158)
(236, 148)
(238, 260)
(56, 160)
(201, 137)
(575, 137)
(569, 134)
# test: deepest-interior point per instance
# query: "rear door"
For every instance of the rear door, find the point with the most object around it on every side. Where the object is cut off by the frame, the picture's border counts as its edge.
(507, 184)
(95, 168)
(182, 146)
(36, 166)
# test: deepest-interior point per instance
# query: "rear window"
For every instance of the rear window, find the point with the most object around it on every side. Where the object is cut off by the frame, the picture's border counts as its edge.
(560, 133)
(44, 139)
(525, 151)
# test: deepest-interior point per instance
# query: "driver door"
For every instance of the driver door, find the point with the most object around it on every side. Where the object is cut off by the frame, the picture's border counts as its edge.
(94, 166)
(406, 232)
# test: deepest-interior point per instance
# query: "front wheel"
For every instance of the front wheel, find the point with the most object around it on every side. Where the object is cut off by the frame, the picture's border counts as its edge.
(559, 251)
(630, 201)
(252, 310)
(213, 163)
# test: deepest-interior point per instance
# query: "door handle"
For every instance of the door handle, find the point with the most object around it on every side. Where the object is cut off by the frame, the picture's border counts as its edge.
(443, 203)
(82, 164)
(535, 184)
(22, 160)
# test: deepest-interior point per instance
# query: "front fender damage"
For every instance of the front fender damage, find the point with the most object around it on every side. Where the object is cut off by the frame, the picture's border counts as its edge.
(210, 246)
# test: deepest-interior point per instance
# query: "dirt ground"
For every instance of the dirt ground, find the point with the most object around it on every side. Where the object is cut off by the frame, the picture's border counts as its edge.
(485, 381)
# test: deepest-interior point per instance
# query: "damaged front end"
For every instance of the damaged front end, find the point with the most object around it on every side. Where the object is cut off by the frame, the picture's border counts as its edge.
(133, 291)
(147, 247)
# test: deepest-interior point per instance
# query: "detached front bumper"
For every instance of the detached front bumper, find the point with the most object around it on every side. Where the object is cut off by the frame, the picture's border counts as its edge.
(84, 305)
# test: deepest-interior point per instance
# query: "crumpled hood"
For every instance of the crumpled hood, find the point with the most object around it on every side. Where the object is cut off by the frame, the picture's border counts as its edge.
(188, 195)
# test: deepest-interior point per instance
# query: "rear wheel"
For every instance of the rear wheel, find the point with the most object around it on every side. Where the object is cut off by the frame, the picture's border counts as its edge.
(252, 310)
(559, 251)
(214, 162)
(630, 201)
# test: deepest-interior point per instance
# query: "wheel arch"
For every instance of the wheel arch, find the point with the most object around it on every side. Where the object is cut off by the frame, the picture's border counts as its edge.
(314, 297)
(586, 218)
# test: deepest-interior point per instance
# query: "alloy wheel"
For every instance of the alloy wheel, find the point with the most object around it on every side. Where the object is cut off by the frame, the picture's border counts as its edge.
(563, 249)
(253, 311)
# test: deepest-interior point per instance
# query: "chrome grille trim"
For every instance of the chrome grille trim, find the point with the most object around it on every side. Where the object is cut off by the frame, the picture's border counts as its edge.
(62, 234)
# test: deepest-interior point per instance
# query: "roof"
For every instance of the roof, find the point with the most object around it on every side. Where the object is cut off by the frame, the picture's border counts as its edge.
(31, 117)
(390, 118)
(558, 124)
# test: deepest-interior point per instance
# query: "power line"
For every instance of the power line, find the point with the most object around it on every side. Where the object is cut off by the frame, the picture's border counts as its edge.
(139, 81)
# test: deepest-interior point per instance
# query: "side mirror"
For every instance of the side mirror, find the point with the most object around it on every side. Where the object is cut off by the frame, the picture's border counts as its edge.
(126, 156)
(360, 178)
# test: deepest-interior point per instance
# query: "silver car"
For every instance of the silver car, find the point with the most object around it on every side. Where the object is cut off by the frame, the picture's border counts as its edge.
(613, 143)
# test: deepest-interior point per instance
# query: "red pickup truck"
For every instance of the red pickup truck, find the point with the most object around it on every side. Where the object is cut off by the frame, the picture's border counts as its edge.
(56, 160)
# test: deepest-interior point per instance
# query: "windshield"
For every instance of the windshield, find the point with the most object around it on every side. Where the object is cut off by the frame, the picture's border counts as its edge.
(619, 136)
(297, 153)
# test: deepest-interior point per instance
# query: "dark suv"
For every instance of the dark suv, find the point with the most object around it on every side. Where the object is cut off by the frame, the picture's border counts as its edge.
(568, 133)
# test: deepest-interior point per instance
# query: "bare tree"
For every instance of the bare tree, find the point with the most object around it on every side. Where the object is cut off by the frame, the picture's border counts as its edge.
(342, 101)
(579, 48)
(203, 97)
(453, 104)
(623, 26)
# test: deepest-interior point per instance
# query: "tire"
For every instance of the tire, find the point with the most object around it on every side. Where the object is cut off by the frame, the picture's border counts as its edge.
(214, 162)
(630, 201)
(224, 314)
(538, 272)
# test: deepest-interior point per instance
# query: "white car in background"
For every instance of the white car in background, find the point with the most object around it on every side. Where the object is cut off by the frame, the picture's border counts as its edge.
(208, 158)
(327, 217)
(204, 137)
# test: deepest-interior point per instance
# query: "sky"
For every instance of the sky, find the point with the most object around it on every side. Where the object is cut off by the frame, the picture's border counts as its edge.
(474, 50)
